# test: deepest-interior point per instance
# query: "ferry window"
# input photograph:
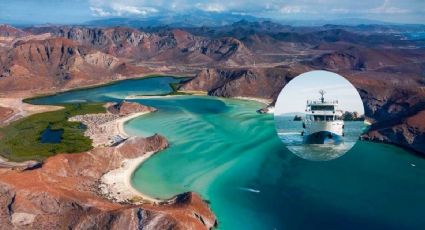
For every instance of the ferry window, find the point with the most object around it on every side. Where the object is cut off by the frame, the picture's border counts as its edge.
(319, 117)
(322, 107)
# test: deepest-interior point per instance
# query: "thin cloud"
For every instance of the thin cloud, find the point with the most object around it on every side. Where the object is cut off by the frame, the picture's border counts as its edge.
(211, 7)
(386, 8)
(291, 9)
(99, 12)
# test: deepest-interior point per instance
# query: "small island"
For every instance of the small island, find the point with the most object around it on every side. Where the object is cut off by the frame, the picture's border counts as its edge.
(352, 116)
(298, 118)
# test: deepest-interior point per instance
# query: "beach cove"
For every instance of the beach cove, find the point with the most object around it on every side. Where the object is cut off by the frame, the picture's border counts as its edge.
(231, 155)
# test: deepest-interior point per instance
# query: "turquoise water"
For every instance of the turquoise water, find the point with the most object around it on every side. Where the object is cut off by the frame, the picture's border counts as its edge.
(113, 92)
(232, 156)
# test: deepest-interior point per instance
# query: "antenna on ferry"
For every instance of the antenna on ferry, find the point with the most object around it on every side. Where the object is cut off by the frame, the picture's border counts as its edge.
(322, 92)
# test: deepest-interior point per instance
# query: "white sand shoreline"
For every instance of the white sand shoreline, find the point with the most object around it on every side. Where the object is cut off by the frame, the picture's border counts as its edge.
(261, 100)
(116, 184)
(153, 96)
(121, 121)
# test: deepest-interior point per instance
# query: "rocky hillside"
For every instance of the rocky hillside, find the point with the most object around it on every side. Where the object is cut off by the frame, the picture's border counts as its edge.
(62, 195)
(240, 82)
(397, 112)
(366, 59)
(174, 46)
(55, 62)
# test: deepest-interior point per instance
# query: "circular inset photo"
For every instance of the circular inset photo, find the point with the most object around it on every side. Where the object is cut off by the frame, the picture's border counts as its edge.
(319, 115)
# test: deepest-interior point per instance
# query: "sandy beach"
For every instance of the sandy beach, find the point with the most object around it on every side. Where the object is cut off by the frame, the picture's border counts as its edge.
(261, 100)
(116, 184)
(107, 129)
(119, 123)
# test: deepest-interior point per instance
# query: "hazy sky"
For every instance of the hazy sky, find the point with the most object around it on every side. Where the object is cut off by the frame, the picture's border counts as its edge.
(76, 11)
(305, 87)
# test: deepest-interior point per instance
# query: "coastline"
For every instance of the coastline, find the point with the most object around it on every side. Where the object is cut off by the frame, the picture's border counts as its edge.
(121, 122)
(147, 97)
(116, 184)
(28, 96)
(260, 100)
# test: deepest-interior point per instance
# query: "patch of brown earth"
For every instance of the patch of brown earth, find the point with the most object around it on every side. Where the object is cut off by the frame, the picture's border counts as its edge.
(5, 113)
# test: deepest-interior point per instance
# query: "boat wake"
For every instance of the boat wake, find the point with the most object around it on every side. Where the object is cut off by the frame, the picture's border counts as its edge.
(249, 190)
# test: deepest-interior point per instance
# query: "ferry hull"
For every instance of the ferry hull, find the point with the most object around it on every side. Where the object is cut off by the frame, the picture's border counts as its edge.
(323, 137)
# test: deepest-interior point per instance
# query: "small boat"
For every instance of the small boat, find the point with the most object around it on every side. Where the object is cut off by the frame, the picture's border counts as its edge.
(322, 122)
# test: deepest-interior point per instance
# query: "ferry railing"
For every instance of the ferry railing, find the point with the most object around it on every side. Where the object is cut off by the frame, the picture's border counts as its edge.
(314, 102)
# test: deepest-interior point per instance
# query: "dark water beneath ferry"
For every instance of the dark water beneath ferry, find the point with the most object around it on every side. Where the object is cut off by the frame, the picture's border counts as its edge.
(289, 132)
(224, 150)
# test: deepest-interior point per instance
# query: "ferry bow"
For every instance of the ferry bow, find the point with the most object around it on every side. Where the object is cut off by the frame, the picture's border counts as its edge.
(323, 122)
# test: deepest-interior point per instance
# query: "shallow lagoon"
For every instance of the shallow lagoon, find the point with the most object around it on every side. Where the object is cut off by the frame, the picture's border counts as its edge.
(224, 150)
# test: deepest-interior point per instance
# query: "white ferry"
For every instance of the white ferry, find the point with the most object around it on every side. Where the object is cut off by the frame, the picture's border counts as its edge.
(322, 122)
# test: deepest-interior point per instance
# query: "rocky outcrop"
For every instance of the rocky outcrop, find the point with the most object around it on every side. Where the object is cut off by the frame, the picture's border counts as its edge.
(125, 108)
(63, 194)
(408, 133)
(397, 114)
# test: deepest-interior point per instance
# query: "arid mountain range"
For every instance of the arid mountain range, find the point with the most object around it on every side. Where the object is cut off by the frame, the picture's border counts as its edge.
(251, 59)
